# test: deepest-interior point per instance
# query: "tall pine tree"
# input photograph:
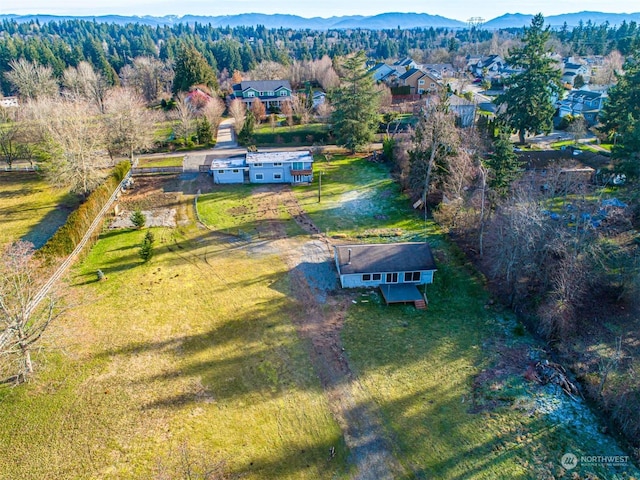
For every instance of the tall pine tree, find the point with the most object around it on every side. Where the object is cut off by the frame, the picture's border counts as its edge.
(529, 95)
(356, 103)
(620, 119)
(192, 69)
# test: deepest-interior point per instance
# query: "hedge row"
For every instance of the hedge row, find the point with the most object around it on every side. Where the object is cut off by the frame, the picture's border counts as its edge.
(69, 235)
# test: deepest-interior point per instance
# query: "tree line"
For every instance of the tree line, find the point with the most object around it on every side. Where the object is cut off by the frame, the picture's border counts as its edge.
(111, 47)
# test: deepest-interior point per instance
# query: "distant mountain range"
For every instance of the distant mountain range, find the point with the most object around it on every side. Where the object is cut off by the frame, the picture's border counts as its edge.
(376, 22)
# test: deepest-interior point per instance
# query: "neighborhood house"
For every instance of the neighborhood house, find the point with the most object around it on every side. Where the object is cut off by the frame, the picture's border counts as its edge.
(397, 268)
(270, 92)
(267, 167)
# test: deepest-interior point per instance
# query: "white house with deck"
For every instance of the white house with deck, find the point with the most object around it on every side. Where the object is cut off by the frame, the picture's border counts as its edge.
(397, 268)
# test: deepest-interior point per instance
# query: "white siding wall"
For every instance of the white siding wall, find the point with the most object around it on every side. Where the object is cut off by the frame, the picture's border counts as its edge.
(355, 280)
(228, 176)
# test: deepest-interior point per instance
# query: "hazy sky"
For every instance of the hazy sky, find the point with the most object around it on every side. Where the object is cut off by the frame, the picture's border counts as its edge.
(458, 9)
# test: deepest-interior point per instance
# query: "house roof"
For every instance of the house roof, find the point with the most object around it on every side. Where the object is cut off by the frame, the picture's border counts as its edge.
(281, 157)
(262, 85)
(404, 62)
(584, 95)
(409, 73)
(385, 257)
(226, 163)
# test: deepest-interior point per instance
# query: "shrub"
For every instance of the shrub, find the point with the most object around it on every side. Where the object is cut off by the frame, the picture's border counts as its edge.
(137, 218)
(69, 235)
(146, 248)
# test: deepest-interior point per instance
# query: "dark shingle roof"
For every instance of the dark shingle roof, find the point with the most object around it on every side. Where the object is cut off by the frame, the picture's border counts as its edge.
(262, 85)
(408, 73)
(387, 257)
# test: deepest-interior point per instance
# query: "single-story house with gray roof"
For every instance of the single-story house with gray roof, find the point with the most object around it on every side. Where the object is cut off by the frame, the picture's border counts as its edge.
(397, 268)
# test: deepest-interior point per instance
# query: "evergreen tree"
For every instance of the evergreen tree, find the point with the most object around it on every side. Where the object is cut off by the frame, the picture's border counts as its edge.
(620, 119)
(204, 131)
(245, 137)
(356, 102)
(529, 94)
(503, 164)
(192, 69)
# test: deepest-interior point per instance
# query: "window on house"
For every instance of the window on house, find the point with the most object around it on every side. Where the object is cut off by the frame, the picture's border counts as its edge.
(257, 164)
(220, 171)
(262, 94)
(277, 176)
(277, 164)
(366, 277)
(377, 277)
(297, 166)
(259, 176)
(251, 94)
(284, 93)
(392, 278)
(411, 277)
(235, 170)
(432, 85)
(420, 82)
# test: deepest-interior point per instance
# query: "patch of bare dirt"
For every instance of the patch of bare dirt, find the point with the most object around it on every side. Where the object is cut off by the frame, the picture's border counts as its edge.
(158, 217)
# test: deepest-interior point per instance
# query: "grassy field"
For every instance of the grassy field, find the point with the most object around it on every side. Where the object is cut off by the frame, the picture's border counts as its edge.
(195, 349)
(195, 352)
(449, 381)
(297, 135)
(150, 162)
(31, 209)
(360, 200)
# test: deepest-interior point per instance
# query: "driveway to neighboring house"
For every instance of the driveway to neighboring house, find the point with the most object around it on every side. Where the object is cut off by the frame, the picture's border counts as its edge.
(226, 138)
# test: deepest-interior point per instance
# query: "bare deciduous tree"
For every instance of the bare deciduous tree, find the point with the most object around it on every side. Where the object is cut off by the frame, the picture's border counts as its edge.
(128, 123)
(300, 108)
(213, 111)
(269, 70)
(32, 80)
(74, 141)
(184, 114)
(436, 138)
(325, 73)
(238, 112)
(259, 110)
(21, 323)
(149, 76)
(324, 110)
(385, 97)
(606, 73)
(287, 110)
(83, 82)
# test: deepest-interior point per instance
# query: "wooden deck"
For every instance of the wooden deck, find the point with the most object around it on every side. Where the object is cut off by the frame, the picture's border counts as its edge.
(403, 293)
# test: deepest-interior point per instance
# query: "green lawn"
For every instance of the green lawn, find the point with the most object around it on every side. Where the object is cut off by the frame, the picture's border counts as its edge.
(194, 348)
(291, 136)
(30, 209)
(359, 199)
(150, 162)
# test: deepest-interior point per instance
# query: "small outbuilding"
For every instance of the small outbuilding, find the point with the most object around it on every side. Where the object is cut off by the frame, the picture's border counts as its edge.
(397, 268)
